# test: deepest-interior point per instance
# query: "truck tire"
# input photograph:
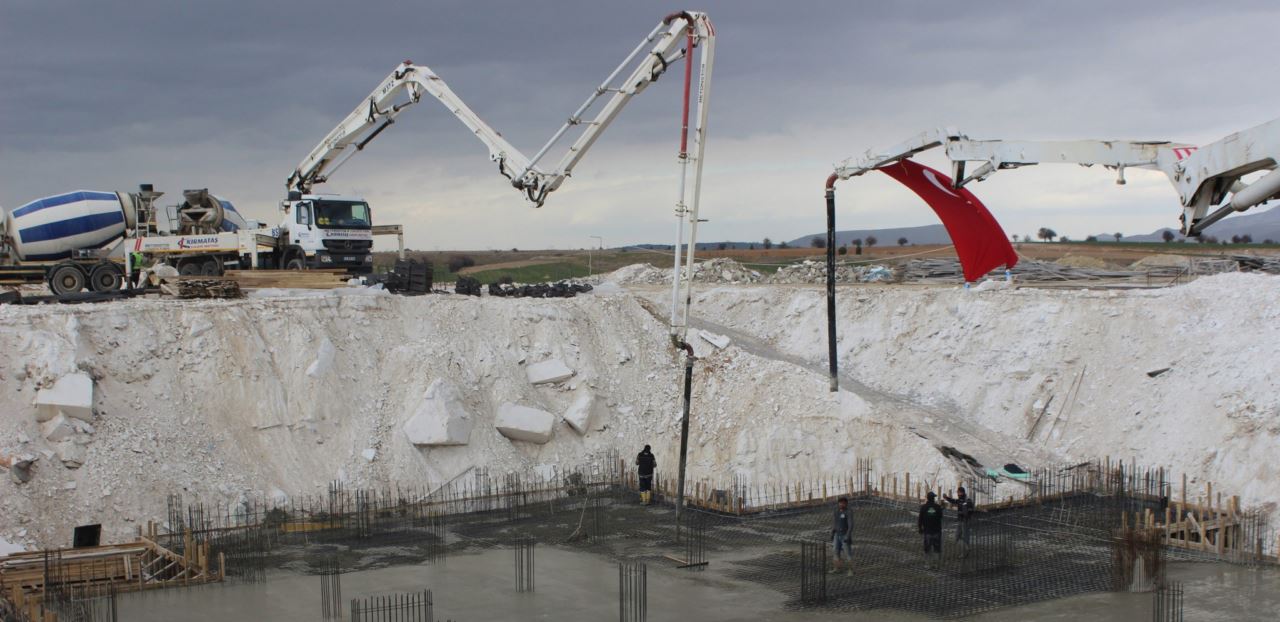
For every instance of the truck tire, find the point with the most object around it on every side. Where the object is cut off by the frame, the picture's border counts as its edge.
(210, 268)
(295, 263)
(189, 268)
(105, 277)
(67, 278)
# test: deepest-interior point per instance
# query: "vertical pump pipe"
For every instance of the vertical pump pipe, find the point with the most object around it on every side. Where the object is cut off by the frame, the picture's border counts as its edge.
(683, 156)
(831, 283)
(684, 428)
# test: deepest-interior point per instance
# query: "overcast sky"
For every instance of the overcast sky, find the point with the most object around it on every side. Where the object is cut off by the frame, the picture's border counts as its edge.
(230, 95)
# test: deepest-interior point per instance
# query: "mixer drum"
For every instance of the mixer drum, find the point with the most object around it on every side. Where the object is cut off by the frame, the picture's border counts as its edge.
(53, 227)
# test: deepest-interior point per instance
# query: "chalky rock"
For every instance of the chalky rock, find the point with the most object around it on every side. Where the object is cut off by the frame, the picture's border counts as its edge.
(71, 395)
(578, 416)
(440, 418)
(522, 423)
(551, 370)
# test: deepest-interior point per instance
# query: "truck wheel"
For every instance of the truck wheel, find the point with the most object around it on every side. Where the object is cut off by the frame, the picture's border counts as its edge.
(67, 278)
(294, 264)
(105, 277)
(210, 268)
(189, 268)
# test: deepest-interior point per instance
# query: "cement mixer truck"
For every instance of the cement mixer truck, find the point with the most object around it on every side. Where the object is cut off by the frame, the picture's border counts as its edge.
(80, 240)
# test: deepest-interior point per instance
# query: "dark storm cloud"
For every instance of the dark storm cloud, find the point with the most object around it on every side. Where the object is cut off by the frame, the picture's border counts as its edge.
(235, 93)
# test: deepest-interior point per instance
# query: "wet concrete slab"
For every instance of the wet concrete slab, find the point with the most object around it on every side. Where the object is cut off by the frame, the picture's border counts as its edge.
(576, 586)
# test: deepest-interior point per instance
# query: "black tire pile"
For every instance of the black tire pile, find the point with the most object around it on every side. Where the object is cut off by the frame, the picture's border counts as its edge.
(559, 289)
(409, 277)
(467, 286)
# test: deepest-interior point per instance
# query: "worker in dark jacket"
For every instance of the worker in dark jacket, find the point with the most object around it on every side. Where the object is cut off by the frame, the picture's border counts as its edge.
(842, 536)
(964, 511)
(929, 524)
(645, 464)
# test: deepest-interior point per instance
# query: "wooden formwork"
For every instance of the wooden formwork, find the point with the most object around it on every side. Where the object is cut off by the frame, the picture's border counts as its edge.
(25, 578)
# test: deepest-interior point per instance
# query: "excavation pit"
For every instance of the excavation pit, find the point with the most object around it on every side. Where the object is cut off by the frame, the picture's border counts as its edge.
(1024, 563)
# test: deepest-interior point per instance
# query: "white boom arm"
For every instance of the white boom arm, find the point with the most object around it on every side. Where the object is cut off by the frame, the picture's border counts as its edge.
(1203, 176)
(407, 84)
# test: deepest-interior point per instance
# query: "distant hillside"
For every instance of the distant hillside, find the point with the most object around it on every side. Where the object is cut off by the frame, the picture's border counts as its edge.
(1260, 226)
(928, 234)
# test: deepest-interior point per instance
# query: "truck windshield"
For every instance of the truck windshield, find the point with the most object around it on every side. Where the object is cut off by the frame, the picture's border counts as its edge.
(342, 215)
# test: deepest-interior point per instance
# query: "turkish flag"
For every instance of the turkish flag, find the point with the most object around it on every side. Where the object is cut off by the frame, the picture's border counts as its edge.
(980, 242)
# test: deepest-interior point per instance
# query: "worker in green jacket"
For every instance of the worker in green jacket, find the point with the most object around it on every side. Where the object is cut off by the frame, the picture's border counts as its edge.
(135, 268)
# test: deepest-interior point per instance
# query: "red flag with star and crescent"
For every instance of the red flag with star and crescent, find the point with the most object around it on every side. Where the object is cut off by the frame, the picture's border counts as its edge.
(979, 239)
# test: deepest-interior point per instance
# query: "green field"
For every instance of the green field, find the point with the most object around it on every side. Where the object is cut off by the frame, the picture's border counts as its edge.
(541, 273)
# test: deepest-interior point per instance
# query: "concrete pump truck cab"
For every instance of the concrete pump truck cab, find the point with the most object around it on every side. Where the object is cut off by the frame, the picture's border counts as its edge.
(326, 231)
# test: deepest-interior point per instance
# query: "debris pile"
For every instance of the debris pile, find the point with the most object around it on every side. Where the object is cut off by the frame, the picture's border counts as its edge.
(809, 271)
(197, 287)
(718, 270)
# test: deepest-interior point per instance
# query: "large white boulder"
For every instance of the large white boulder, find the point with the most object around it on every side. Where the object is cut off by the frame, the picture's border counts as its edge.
(71, 395)
(551, 370)
(439, 418)
(578, 416)
(522, 423)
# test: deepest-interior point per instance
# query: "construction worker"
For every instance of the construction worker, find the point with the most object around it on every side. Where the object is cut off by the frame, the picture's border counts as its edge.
(842, 537)
(929, 523)
(964, 511)
(645, 464)
(135, 268)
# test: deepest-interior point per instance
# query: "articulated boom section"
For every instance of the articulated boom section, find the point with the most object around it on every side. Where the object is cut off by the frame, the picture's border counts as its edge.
(672, 39)
(1203, 176)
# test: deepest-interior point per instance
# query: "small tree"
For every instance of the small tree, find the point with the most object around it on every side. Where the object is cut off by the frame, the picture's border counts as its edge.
(768, 244)
(751, 246)
(1064, 239)
(1046, 234)
(1092, 238)
(783, 245)
(1246, 239)
(1268, 241)
(818, 241)
(722, 246)
(1118, 235)
(843, 250)
(871, 241)
(1167, 236)
(902, 241)
(458, 262)
(1015, 238)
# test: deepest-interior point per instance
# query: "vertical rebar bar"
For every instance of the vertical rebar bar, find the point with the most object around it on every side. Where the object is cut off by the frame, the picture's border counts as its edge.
(633, 592)
(524, 563)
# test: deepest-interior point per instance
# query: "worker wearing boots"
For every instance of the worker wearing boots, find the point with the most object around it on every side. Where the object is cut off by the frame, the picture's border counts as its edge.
(929, 523)
(842, 538)
(645, 464)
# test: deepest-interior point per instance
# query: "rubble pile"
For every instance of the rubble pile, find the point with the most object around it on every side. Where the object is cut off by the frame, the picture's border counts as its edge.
(718, 270)
(809, 271)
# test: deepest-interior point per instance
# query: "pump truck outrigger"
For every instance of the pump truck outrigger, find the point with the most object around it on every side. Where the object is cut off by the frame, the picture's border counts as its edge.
(673, 39)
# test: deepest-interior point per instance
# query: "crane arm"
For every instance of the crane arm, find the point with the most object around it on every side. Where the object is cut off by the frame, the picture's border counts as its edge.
(407, 84)
(1203, 176)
